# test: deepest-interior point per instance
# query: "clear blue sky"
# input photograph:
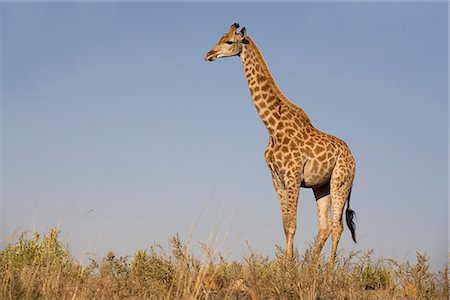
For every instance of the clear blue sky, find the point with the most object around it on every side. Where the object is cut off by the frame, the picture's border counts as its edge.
(115, 130)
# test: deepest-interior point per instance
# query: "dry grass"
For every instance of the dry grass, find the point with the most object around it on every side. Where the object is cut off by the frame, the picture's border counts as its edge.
(42, 268)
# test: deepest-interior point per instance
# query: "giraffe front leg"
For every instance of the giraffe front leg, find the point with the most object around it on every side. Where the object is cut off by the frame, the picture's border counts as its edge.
(287, 188)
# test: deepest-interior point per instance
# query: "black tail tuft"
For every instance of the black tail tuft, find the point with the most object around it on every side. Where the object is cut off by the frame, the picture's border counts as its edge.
(349, 215)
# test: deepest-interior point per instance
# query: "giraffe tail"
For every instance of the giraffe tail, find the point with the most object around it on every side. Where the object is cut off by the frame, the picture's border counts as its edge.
(349, 215)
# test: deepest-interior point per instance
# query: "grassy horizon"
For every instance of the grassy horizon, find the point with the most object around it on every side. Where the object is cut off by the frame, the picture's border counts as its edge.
(41, 267)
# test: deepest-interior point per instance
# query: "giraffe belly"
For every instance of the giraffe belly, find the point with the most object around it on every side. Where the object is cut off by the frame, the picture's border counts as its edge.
(311, 182)
(315, 174)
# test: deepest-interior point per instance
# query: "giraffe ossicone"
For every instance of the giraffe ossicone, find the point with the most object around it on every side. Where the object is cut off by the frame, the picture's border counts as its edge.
(298, 155)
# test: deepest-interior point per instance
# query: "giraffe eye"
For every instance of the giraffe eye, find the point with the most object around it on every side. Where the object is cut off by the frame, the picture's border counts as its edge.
(229, 42)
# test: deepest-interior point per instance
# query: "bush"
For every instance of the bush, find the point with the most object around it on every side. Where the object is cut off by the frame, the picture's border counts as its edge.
(38, 267)
(42, 268)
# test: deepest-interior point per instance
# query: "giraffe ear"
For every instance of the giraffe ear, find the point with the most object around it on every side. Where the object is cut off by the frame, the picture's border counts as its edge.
(243, 31)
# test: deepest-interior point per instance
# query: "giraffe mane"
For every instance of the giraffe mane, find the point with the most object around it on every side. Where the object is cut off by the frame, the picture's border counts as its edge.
(300, 112)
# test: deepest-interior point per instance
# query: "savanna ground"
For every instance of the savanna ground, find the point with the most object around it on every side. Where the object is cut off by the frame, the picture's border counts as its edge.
(41, 267)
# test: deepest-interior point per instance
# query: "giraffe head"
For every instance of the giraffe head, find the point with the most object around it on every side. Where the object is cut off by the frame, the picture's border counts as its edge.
(230, 44)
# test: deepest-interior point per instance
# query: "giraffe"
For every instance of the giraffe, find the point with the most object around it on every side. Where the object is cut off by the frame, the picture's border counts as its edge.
(298, 155)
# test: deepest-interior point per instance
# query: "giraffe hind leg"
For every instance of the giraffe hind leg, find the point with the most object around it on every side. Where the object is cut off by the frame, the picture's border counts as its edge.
(339, 194)
(323, 203)
(325, 224)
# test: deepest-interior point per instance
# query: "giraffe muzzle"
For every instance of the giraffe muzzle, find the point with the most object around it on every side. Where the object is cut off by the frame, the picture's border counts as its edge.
(211, 56)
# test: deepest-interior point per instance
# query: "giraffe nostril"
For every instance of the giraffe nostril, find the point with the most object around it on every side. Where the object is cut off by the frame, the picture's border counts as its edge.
(210, 56)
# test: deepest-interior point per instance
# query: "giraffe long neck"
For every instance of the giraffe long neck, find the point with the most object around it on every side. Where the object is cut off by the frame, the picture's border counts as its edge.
(267, 97)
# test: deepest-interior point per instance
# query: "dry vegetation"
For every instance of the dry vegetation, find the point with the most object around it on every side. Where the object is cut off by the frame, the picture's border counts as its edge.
(42, 268)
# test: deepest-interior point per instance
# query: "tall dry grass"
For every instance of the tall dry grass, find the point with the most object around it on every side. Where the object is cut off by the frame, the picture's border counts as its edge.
(40, 267)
